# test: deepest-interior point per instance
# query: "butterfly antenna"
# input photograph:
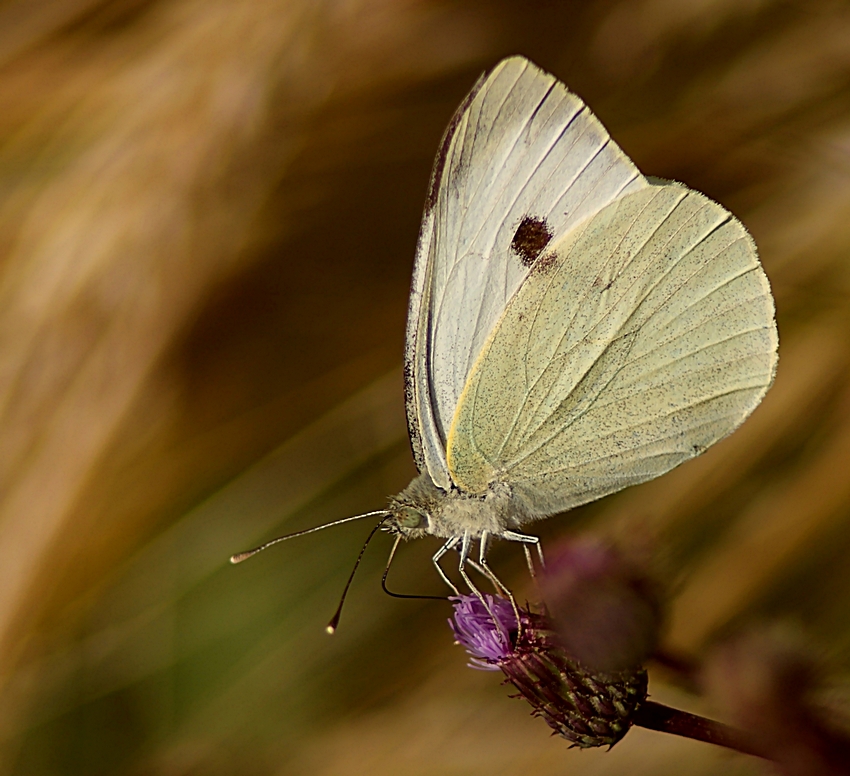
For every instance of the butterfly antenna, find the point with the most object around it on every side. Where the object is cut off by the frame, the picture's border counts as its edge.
(332, 625)
(402, 595)
(240, 556)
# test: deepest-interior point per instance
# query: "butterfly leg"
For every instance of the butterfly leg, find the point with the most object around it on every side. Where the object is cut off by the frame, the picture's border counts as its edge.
(485, 566)
(477, 566)
(483, 569)
(465, 544)
(463, 551)
(513, 536)
(450, 544)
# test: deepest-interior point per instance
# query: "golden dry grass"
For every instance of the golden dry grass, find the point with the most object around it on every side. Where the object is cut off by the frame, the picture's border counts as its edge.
(207, 219)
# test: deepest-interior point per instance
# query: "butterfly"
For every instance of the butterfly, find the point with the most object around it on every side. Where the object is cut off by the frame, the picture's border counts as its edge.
(574, 327)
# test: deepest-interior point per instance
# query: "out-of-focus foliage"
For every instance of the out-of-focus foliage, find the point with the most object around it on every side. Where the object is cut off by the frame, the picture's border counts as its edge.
(207, 219)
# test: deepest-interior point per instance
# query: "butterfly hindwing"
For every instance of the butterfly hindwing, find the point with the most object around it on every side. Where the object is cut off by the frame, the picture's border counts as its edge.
(522, 163)
(638, 339)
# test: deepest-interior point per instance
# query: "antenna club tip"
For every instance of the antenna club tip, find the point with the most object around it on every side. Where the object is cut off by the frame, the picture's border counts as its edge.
(238, 558)
(330, 629)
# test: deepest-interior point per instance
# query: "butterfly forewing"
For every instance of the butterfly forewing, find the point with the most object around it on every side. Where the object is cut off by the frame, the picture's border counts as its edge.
(637, 340)
(522, 163)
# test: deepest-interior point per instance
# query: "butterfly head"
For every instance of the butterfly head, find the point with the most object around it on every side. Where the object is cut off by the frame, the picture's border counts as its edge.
(408, 522)
(412, 511)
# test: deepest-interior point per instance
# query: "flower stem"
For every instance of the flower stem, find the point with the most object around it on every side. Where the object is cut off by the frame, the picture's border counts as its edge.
(657, 716)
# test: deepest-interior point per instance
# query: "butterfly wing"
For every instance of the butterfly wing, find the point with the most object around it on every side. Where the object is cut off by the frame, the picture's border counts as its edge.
(522, 162)
(639, 339)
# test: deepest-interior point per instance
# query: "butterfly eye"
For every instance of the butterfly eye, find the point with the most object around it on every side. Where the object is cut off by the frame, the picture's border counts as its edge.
(410, 518)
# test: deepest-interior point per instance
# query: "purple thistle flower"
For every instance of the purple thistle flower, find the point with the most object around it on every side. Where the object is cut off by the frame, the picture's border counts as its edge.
(488, 640)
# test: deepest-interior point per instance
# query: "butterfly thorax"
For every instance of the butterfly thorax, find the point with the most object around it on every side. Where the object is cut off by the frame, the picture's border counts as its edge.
(423, 509)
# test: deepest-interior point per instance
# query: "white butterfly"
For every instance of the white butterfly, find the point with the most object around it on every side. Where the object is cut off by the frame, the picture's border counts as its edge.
(574, 327)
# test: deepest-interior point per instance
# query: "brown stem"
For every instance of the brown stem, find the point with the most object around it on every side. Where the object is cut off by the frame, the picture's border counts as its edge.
(657, 716)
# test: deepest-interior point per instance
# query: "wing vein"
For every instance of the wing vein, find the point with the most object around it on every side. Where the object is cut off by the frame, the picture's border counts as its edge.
(654, 440)
(514, 424)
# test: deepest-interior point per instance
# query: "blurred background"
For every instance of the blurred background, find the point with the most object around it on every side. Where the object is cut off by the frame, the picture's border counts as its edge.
(208, 213)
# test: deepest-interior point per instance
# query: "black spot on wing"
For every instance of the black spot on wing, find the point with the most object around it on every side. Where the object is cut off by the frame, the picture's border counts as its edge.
(530, 239)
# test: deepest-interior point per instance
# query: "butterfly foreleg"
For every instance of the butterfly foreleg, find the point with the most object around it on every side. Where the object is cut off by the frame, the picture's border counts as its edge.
(465, 546)
(450, 544)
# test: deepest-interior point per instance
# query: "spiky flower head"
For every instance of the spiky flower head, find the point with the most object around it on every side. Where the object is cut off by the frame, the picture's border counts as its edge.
(586, 706)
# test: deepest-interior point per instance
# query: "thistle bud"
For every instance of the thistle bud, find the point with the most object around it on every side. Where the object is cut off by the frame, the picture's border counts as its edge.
(605, 607)
(587, 707)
